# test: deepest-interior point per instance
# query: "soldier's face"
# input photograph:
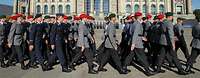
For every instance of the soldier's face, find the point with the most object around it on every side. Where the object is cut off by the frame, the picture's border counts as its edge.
(60, 18)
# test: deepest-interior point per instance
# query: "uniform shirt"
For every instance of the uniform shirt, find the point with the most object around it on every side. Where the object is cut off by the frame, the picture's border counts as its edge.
(15, 36)
(84, 35)
(137, 30)
(196, 36)
(73, 31)
(178, 30)
(2, 34)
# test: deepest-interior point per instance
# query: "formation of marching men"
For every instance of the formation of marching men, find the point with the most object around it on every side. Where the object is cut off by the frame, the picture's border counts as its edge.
(57, 40)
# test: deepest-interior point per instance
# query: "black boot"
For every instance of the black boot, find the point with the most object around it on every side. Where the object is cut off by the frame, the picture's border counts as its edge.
(23, 66)
(45, 68)
(32, 65)
(182, 72)
(102, 69)
(9, 63)
(92, 71)
(126, 69)
(66, 69)
(3, 65)
(148, 72)
(122, 71)
(188, 69)
(72, 67)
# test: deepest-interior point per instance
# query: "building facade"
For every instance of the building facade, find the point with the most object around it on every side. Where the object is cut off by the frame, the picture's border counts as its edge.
(101, 8)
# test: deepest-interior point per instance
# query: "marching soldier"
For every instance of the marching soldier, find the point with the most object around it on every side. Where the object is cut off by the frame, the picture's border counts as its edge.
(137, 47)
(195, 44)
(111, 43)
(36, 37)
(58, 40)
(167, 44)
(15, 39)
(2, 41)
(84, 37)
(180, 40)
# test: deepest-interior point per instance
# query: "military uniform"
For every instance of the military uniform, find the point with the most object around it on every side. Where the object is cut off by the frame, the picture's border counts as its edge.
(180, 43)
(2, 44)
(15, 38)
(84, 37)
(58, 37)
(195, 44)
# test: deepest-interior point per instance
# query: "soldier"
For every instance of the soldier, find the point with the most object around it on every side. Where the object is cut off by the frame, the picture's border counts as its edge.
(58, 41)
(167, 44)
(36, 38)
(2, 41)
(137, 47)
(179, 35)
(84, 37)
(111, 43)
(15, 39)
(195, 46)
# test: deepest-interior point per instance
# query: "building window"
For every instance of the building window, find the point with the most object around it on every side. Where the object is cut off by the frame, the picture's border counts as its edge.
(60, 9)
(87, 6)
(136, 0)
(106, 7)
(53, 9)
(161, 0)
(46, 0)
(152, 0)
(144, 9)
(162, 8)
(97, 7)
(38, 9)
(68, 9)
(46, 9)
(53, 0)
(128, 8)
(153, 9)
(179, 9)
(136, 8)
(60, 0)
(128, 0)
(38, 0)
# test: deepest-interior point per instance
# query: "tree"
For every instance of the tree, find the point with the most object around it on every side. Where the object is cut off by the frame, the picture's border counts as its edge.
(197, 14)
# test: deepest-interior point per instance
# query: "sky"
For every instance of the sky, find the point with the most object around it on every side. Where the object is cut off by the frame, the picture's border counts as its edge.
(195, 3)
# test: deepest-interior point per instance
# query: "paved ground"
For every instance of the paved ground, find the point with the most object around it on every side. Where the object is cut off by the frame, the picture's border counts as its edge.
(16, 72)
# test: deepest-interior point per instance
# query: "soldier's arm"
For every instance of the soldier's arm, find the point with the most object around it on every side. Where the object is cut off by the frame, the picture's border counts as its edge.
(112, 35)
(11, 33)
(52, 35)
(81, 35)
(135, 34)
(171, 32)
(32, 33)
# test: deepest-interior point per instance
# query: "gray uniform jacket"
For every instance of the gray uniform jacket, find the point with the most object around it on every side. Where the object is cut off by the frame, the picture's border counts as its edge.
(84, 35)
(110, 31)
(137, 31)
(15, 36)
(73, 31)
(196, 36)
(2, 34)
(167, 37)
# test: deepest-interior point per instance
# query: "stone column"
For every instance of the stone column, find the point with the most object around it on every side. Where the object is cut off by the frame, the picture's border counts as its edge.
(148, 6)
(122, 7)
(157, 6)
(101, 8)
(73, 7)
(189, 7)
(14, 6)
(140, 5)
(92, 7)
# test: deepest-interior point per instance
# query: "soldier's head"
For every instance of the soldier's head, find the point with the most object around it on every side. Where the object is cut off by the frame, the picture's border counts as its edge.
(65, 19)
(47, 18)
(160, 17)
(3, 17)
(144, 19)
(19, 17)
(30, 18)
(76, 19)
(180, 20)
(138, 15)
(106, 18)
(59, 17)
(148, 16)
(38, 18)
(169, 16)
(112, 17)
(83, 17)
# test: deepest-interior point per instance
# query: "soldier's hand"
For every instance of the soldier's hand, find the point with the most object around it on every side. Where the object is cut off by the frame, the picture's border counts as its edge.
(52, 47)
(9, 45)
(82, 49)
(46, 41)
(66, 41)
(144, 38)
(173, 45)
(31, 47)
(132, 47)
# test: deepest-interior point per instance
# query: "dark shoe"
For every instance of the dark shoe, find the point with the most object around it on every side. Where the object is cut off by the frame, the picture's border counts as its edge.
(150, 73)
(34, 66)
(46, 68)
(10, 64)
(67, 70)
(182, 72)
(172, 65)
(94, 65)
(126, 69)
(92, 72)
(72, 67)
(3, 65)
(23, 67)
(123, 71)
(160, 71)
(102, 69)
